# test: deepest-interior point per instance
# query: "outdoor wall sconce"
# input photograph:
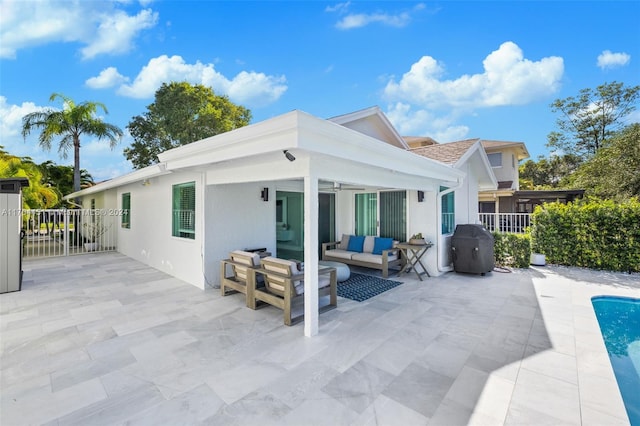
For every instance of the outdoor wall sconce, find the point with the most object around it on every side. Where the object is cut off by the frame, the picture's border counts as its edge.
(289, 155)
(264, 194)
(420, 196)
(146, 182)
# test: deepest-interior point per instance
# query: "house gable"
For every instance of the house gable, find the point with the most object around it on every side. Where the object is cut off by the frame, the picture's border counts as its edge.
(372, 122)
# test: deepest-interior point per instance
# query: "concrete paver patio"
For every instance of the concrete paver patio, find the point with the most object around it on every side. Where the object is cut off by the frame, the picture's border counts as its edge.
(103, 339)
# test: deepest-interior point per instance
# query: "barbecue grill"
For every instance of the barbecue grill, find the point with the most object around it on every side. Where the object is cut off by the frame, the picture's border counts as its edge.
(472, 249)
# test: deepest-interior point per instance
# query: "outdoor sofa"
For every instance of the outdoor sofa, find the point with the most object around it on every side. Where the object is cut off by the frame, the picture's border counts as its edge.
(367, 251)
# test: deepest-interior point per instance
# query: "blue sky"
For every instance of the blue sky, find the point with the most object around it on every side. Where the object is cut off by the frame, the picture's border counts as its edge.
(450, 69)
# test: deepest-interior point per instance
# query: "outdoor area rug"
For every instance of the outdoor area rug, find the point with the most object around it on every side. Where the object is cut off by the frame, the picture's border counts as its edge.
(360, 287)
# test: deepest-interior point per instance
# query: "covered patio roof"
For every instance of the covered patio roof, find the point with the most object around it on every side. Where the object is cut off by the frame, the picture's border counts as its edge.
(335, 151)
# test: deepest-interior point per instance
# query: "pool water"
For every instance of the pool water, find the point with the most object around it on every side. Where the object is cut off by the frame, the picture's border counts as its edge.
(619, 319)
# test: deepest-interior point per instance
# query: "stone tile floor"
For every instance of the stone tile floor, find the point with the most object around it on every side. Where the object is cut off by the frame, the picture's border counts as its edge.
(102, 339)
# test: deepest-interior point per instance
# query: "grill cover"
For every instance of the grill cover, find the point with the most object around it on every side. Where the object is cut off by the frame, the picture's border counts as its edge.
(472, 249)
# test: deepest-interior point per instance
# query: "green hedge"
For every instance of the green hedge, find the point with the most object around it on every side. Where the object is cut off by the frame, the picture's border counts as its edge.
(592, 234)
(512, 249)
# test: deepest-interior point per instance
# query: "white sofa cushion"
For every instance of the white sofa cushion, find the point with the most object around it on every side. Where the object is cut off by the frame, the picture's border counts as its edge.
(372, 258)
(369, 242)
(339, 253)
(243, 257)
(344, 242)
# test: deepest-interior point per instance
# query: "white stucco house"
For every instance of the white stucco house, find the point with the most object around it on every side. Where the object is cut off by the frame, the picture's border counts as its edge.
(288, 184)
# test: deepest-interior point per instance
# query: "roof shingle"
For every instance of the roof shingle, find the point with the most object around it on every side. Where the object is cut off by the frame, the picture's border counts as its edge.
(448, 153)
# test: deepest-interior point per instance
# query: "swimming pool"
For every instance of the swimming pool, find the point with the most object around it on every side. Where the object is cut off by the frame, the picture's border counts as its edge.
(619, 319)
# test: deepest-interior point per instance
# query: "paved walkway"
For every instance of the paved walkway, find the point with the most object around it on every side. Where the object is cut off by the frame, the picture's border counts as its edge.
(103, 339)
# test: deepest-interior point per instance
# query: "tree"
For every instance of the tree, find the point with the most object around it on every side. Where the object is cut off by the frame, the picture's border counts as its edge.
(37, 195)
(614, 172)
(548, 173)
(181, 114)
(61, 177)
(70, 123)
(589, 119)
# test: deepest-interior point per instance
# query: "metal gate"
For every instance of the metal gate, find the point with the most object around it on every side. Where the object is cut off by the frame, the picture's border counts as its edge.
(67, 232)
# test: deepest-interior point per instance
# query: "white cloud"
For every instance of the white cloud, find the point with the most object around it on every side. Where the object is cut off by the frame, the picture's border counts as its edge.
(108, 77)
(247, 87)
(633, 117)
(508, 79)
(11, 130)
(338, 7)
(99, 25)
(424, 123)
(116, 32)
(358, 20)
(254, 88)
(424, 102)
(609, 59)
(11, 117)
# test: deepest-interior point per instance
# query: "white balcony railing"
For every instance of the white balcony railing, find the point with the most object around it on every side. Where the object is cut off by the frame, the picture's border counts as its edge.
(505, 222)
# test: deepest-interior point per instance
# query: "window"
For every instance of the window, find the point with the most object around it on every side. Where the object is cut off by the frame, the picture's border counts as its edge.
(495, 159)
(126, 206)
(184, 210)
(448, 212)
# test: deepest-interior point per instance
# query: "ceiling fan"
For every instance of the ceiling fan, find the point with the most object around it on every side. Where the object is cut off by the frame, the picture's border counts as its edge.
(337, 186)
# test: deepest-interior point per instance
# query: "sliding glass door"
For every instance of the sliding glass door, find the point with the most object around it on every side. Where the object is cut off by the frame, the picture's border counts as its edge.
(290, 223)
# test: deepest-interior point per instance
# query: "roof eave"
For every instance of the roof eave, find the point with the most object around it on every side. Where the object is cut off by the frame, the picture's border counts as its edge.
(135, 176)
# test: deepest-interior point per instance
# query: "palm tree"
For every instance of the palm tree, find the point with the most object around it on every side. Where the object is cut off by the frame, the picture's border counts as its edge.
(38, 195)
(69, 123)
(61, 177)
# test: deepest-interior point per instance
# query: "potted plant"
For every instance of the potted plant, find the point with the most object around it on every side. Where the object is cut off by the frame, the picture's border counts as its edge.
(417, 239)
(91, 232)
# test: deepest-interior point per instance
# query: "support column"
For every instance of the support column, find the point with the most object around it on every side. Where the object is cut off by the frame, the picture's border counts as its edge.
(311, 255)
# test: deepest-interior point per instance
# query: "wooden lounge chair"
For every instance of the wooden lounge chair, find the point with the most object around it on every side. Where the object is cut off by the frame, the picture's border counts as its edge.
(243, 278)
(283, 284)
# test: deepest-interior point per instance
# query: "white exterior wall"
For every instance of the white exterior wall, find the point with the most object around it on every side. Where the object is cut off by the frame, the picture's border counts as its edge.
(466, 197)
(345, 213)
(103, 200)
(149, 238)
(423, 218)
(237, 219)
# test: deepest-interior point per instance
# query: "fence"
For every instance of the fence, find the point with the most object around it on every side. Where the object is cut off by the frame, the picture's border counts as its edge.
(64, 232)
(506, 222)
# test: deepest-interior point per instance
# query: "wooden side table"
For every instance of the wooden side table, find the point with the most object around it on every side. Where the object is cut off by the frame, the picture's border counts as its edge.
(413, 253)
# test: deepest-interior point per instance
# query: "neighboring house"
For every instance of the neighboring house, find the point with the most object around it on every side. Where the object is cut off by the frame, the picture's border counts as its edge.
(504, 158)
(287, 184)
